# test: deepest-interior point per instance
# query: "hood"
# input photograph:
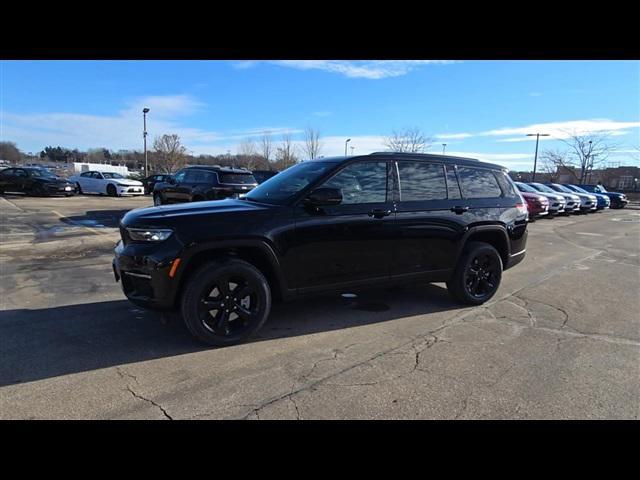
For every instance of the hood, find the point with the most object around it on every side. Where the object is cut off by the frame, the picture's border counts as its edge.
(169, 214)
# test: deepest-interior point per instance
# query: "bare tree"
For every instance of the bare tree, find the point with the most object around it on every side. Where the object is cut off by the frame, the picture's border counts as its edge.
(588, 150)
(169, 153)
(9, 152)
(286, 153)
(266, 146)
(248, 153)
(551, 161)
(312, 144)
(410, 139)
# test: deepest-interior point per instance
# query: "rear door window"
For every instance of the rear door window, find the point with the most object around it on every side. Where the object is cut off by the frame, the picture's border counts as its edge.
(478, 183)
(237, 178)
(420, 181)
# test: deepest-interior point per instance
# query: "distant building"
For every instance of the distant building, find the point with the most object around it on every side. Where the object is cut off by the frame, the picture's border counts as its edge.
(80, 167)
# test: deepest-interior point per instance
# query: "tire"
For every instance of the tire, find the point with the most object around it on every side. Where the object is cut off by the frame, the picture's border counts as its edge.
(78, 188)
(464, 285)
(208, 285)
(157, 200)
(111, 190)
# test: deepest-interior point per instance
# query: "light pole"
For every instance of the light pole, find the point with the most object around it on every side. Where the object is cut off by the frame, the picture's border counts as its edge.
(535, 159)
(352, 149)
(444, 145)
(144, 135)
(345, 146)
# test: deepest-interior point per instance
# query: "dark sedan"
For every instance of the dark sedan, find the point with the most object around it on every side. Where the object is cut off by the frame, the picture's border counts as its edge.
(34, 181)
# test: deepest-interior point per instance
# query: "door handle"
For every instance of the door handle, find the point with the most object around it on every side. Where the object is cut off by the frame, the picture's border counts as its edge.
(379, 213)
(459, 210)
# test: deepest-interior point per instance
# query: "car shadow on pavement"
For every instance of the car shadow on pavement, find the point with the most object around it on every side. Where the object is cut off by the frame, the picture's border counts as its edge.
(96, 218)
(45, 343)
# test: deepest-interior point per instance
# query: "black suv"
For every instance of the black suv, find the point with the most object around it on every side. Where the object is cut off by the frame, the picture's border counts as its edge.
(194, 184)
(328, 225)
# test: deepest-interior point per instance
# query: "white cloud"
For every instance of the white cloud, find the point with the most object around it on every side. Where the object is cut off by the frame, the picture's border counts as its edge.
(453, 136)
(34, 131)
(370, 69)
(561, 130)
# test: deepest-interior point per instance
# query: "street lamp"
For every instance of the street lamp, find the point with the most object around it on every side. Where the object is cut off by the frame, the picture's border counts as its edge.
(352, 149)
(444, 145)
(535, 159)
(144, 135)
(345, 146)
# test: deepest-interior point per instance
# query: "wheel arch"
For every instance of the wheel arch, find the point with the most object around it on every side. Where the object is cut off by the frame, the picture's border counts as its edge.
(494, 235)
(257, 253)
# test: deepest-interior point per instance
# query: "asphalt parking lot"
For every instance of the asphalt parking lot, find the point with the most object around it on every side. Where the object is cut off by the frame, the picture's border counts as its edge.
(561, 339)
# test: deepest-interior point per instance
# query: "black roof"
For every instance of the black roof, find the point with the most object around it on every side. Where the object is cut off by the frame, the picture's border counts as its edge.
(218, 168)
(473, 162)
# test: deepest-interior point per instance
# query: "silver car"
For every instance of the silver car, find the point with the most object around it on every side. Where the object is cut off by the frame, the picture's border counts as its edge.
(556, 201)
(572, 201)
(588, 201)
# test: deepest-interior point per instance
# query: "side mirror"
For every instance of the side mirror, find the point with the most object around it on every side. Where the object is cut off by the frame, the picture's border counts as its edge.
(324, 197)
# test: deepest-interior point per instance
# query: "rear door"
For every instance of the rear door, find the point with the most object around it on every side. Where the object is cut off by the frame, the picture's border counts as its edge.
(171, 190)
(428, 227)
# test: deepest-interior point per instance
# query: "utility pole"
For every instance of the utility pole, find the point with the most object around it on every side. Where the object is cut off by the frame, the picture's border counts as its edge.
(444, 145)
(535, 159)
(345, 146)
(144, 135)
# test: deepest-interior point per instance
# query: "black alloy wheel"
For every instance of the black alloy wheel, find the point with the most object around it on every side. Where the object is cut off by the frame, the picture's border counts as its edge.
(477, 276)
(225, 302)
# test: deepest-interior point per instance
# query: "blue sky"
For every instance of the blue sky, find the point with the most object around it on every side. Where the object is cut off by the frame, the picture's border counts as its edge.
(481, 109)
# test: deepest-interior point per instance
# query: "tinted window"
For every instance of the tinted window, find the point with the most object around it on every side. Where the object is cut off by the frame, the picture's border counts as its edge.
(453, 189)
(179, 176)
(9, 172)
(421, 181)
(200, 176)
(362, 182)
(21, 173)
(111, 175)
(506, 184)
(86, 174)
(237, 178)
(96, 175)
(477, 183)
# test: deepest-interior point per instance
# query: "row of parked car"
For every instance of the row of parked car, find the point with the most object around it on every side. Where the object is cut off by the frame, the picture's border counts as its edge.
(188, 184)
(554, 198)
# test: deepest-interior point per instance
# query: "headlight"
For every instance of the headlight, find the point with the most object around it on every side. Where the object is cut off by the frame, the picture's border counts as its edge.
(149, 234)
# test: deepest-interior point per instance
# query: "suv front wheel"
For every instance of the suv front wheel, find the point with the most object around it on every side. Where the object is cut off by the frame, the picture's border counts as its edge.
(225, 302)
(477, 276)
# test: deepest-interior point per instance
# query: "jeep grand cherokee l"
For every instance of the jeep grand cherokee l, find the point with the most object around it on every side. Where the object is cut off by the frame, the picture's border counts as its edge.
(328, 225)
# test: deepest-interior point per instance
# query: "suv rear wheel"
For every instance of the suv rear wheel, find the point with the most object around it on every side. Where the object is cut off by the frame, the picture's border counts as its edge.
(477, 276)
(225, 302)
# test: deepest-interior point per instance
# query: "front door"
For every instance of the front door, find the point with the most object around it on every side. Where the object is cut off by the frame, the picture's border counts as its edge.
(350, 243)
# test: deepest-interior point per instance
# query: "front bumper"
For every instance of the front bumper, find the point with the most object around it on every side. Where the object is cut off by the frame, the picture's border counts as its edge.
(60, 189)
(143, 273)
(130, 190)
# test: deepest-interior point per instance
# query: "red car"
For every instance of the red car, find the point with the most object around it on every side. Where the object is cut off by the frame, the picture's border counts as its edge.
(537, 205)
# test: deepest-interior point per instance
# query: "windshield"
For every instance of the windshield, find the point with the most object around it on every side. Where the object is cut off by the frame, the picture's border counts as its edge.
(523, 187)
(38, 172)
(280, 188)
(577, 189)
(560, 188)
(111, 175)
(542, 188)
(601, 189)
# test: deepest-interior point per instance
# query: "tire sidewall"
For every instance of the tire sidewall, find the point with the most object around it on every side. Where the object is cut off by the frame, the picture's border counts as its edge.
(457, 282)
(199, 282)
(112, 190)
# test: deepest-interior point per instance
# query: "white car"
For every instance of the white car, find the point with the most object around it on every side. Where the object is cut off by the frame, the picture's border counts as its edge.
(108, 183)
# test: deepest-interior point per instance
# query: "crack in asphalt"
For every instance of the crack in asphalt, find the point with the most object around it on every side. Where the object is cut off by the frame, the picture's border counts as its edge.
(122, 374)
(137, 395)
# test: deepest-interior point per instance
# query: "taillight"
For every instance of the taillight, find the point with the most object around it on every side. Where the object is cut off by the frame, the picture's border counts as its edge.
(522, 208)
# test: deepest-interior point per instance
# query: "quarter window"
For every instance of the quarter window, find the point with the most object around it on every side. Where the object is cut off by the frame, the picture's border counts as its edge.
(421, 181)
(477, 183)
(363, 182)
